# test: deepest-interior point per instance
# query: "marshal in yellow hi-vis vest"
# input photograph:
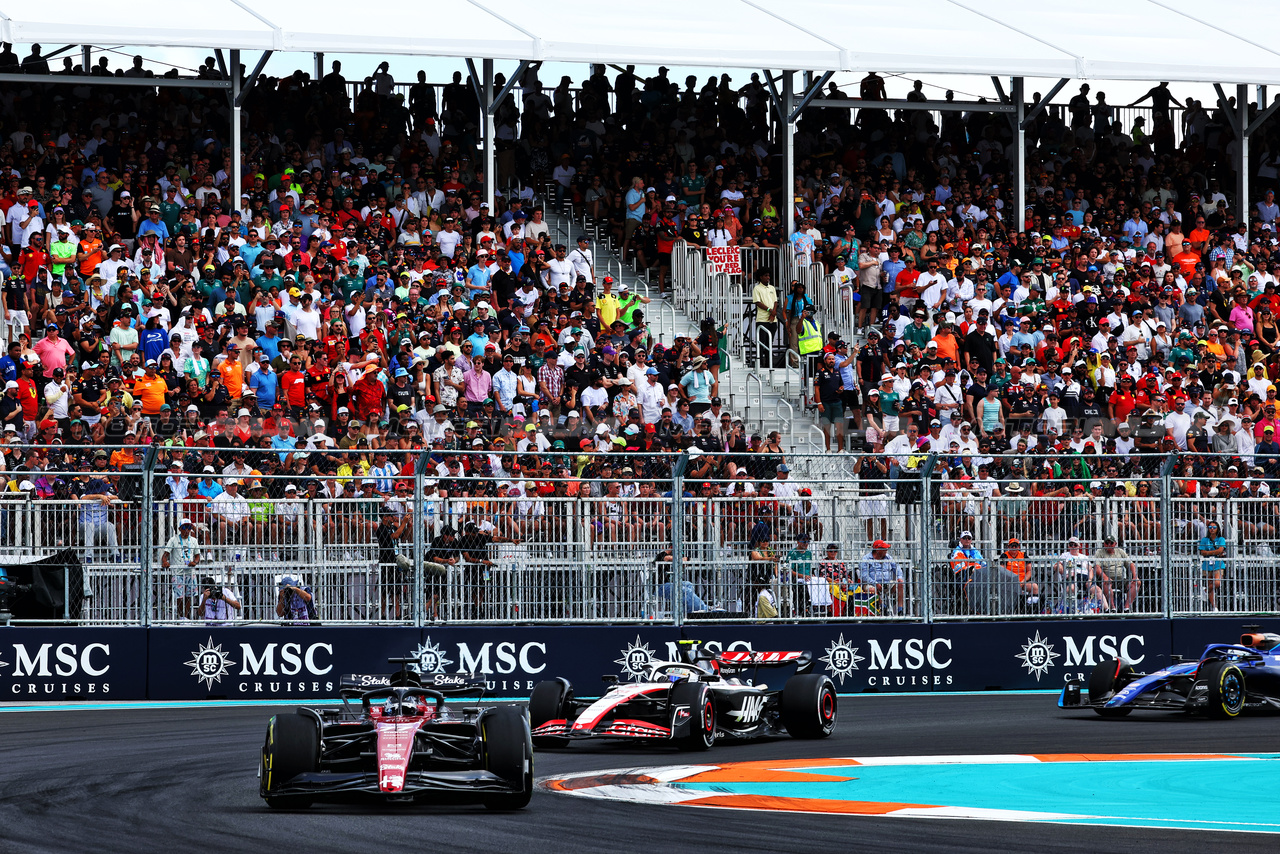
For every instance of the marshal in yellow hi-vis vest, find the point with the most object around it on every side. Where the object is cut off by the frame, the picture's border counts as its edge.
(810, 337)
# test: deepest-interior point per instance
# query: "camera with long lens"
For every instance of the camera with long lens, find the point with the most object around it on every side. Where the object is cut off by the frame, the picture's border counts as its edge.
(214, 588)
(8, 592)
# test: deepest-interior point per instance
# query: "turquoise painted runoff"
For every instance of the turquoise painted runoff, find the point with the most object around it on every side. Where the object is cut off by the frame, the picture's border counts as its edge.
(1208, 794)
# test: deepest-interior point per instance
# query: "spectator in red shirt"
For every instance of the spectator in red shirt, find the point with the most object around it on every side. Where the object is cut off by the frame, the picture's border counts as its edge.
(369, 395)
(905, 283)
(293, 386)
(1123, 401)
(33, 258)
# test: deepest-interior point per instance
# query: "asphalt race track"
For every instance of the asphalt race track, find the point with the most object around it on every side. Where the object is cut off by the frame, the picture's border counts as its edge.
(136, 780)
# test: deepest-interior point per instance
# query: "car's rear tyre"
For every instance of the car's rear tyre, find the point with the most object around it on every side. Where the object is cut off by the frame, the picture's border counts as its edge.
(292, 748)
(1108, 677)
(1226, 690)
(508, 753)
(809, 706)
(550, 701)
(702, 714)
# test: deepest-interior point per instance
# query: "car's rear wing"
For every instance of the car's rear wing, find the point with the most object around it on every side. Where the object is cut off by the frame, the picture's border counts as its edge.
(742, 659)
(446, 683)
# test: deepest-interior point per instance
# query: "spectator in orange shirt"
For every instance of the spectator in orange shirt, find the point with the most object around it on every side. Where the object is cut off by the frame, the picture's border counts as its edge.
(150, 388)
(232, 372)
(1199, 238)
(1186, 259)
(125, 456)
(948, 345)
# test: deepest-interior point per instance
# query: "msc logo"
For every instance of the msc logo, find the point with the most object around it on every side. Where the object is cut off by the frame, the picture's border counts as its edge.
(209, 663)
(1037, 656)
(68, 660)
(635, 660)
(842, 658)
(751, 709)
(1094, 648)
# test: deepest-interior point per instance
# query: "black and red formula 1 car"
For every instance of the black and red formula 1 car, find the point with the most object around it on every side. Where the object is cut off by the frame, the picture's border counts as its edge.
(692, 702)
(400, 737)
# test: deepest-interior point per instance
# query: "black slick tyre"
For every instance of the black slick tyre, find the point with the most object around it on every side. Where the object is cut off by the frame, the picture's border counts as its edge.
(1225, 689)
(550, 701)
(809, 706)
(292, 748)
(508, 753)
(702, 715)
(1109, 676)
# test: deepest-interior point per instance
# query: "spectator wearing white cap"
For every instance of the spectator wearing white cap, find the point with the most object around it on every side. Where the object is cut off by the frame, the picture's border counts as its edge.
(181, 556)
(230, 512)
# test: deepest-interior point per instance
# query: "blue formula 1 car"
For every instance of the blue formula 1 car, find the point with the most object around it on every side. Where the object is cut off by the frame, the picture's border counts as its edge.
(1222, 683)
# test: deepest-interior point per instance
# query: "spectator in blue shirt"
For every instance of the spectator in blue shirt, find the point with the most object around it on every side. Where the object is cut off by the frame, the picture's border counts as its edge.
(263, 382)
(1212, 548)
(9, 364)
(209, 486)
(153, 223)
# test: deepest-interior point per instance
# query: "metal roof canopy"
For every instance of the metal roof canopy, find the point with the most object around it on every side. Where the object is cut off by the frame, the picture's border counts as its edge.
(1148, 40)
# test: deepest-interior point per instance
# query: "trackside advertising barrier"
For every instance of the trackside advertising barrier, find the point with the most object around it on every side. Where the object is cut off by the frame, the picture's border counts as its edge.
(303, 662)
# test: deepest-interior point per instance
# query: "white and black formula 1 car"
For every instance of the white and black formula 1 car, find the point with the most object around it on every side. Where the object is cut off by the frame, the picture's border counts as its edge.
(400, 737)
(692, 702)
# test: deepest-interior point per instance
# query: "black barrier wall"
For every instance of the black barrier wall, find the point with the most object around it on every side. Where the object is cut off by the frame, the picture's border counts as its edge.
(189, 663)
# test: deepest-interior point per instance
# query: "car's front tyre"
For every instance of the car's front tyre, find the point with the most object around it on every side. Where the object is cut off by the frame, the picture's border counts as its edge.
(292, 747)
(1225, 692)
(1108, 677)
(550, 701)
(508, 753)
(702, 714)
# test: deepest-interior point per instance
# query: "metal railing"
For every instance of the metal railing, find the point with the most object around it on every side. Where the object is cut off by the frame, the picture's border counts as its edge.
(579, 542)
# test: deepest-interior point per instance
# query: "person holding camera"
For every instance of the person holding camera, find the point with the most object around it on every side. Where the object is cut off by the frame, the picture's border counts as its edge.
(218, 605)
(294, 604)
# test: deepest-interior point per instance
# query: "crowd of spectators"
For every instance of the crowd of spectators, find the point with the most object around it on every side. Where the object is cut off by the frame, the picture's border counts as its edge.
(359, 292)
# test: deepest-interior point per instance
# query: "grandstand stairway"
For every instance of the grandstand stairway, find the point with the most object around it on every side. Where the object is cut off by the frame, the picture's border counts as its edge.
(766, 399)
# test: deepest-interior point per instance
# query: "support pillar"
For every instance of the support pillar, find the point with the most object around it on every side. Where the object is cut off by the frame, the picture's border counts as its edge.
(319, 66)
(1242, 163)
(788, 152)
(490, 179)
(1019, 155)
(237, 146)
(86, 57)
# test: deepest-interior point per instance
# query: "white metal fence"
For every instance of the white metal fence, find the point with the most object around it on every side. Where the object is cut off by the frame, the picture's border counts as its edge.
(759, 545)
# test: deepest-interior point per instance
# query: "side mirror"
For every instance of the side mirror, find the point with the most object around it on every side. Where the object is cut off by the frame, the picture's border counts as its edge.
(609, 679)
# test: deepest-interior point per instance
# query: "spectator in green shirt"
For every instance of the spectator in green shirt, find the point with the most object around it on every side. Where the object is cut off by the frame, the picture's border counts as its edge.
(917, 332)
(801, 557)
(62, 251)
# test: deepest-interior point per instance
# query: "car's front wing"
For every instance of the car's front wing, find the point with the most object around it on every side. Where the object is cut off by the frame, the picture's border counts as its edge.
(617, 728)
(1073, 698)
(471, 784)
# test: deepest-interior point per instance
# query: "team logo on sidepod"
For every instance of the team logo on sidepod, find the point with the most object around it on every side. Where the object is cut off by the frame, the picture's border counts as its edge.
(635, 660)
(842, 658)
(209, 663)
(431, 658)
(1037, 655)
